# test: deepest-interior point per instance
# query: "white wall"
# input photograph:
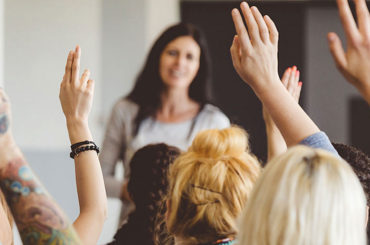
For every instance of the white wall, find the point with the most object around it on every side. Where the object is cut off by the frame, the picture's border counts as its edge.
(38, 35)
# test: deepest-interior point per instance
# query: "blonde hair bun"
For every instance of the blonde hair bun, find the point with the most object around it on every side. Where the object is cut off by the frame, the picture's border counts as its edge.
(215, 143)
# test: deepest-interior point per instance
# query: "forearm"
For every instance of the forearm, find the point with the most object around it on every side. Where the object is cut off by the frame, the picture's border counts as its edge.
(275, 141)
(39, 219)
(90, 187)
(293, 123)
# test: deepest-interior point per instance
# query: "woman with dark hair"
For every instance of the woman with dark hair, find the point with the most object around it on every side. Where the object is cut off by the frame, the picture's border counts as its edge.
(147, 188)
(169, 103)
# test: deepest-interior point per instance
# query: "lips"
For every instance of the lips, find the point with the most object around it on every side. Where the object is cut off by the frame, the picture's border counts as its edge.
(176, 73)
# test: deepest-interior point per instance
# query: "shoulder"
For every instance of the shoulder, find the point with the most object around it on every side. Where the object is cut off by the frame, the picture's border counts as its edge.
(125, 107)
(214, 116)
(319, 140)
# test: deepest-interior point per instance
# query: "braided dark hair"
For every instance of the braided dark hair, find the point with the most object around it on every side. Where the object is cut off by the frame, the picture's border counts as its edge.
(147, 187)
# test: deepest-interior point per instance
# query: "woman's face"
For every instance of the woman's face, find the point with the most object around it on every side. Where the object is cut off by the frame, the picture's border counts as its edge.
(179, 62)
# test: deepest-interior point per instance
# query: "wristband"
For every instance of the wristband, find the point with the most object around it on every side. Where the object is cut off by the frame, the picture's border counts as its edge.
(79, 147)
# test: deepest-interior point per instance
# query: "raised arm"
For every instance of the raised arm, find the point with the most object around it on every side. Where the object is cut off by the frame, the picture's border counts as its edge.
(254, 55)
(275, 142)
(38, 217)
(354, 63)
(76, 96)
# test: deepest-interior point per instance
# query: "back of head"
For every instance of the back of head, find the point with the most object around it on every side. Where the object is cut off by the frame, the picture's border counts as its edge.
(149, 168)
(305, 196)
(147, 187)
(209, 185)
(360, 163)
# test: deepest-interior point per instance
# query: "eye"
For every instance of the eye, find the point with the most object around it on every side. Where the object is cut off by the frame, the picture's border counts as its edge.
(189, 56)
(172, 52)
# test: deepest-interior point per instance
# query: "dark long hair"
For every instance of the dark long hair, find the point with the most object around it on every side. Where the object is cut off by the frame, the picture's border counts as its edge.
(149, 85)
(147, 187)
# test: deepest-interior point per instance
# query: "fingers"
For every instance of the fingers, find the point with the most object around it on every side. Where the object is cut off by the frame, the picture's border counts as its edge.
(286, 76)
(84, 78)
(293, 80)
(337, 51)
(274, 34)
(251, 23)
(235, 52)
(363, 17)
(347, 20)
(290, 80)
(263, 30)
(242, 32)
(68, 69)
(297, 92)
(76, 66)
(90, 86)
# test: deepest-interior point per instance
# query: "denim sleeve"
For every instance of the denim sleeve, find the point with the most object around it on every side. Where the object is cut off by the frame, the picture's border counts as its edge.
(319, 140)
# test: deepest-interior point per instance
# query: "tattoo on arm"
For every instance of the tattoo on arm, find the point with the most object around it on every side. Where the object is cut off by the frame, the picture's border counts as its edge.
(39, 219)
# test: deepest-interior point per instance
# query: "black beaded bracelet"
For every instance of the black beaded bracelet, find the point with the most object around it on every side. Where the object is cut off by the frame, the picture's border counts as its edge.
(86, 142)
(77, 150)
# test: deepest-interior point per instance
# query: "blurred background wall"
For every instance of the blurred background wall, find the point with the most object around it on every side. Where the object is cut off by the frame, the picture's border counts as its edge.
(115, 36)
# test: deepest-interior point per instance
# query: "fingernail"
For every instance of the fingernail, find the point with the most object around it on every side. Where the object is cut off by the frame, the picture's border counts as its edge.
(294, 68)
(297, 73)
(331, 37)
(289, 69)
(245, 4)
(300, 84)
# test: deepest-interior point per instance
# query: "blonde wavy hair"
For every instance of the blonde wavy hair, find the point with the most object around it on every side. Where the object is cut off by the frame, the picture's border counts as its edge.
(305, 196)
(210, 184)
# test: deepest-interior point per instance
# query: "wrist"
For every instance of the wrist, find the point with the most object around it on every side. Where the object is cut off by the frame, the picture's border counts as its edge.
(78, 130)
(266, 86)
(265, 89)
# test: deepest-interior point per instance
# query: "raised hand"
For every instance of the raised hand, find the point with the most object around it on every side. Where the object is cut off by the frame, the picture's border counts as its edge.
(290, 79)
(354, 63)
(76, 97)
(76, 93)
(254, 55)
(254, 52)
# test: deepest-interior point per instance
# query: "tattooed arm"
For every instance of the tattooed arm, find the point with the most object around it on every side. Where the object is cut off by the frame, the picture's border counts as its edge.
(76, 95)
(38, 217)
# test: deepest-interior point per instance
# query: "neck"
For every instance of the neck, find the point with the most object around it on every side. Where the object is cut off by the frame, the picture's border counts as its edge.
(176, 101)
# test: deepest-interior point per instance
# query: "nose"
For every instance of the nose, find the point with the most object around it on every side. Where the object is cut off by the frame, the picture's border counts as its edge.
(180, 60)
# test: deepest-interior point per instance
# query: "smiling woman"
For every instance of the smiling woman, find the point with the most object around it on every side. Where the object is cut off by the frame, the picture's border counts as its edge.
(169, 103)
